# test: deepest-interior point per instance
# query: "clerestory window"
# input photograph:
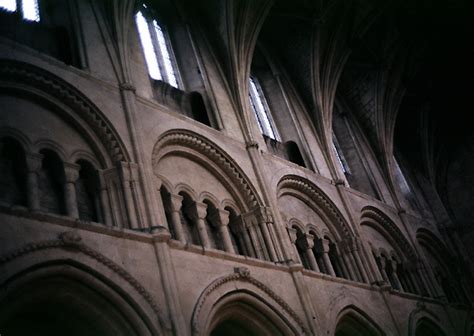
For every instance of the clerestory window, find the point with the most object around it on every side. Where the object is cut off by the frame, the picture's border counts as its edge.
(29, 9)
(261, 110)
(340, 157)
(157, 48)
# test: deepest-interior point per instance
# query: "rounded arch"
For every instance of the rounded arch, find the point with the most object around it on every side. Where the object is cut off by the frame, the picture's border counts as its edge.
(8, 132)
(240, 295)
(381, 223)
(189, 144)
(314, 197)
(29, 81)
(352, 321)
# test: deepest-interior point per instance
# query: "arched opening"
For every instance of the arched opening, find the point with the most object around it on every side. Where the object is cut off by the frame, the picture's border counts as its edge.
(88, 192)
(166, 199)
(12, 172)
(61, 301)
(294, 154)
(185, 213)
(51, 183)
(235, 231)
(426, 327)
(354, 323)
(241, 318)
(300, 246)
(212, 226)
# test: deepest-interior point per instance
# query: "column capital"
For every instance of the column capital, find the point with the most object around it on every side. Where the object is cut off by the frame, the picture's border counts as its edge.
(176, 202)
(33, 161)
(221, 217)
(71, 172)
(198, 210)
(322, 245)
(293, 234)
(306, 241)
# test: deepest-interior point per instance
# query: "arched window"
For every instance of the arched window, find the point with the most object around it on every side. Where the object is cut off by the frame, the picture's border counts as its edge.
(189, 227)
(12, 173)
(51, 182)
(157, 47)
(87, 192)
(235, 231)
(341, 160)
(261, 110)
(29, 9)
(212, 226)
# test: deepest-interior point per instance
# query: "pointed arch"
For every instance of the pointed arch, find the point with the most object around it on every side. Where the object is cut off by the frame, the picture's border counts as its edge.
(241, 294)
(85, 269)
(309, 193)
(40, 85)
(354, 322)
(199, 149)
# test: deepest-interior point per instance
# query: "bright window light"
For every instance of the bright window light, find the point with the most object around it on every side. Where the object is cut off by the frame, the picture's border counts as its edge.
(9, 5)
(147, 44)
(261, 113)
(30, 10)
(161, 65)
(165, 55)
(340, 158)
(406, 190)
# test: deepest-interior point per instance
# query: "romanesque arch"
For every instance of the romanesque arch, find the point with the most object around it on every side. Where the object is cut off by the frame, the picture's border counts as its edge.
(239, 302)
(28, 81)
(188, 144)
(441, 262)
(394, 256)
(222, 205)
(318, 201)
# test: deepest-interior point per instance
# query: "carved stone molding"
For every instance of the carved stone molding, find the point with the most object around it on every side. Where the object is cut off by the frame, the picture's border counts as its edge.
(31, 76)
(72, 240)
(379, 217)
(192, 140)
(241, 274)
(323, 201)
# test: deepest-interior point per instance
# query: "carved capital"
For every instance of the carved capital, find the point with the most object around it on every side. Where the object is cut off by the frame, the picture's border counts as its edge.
(71, 172)
(252, 144)
(127, 87)
(221, 217)
(33, 161)
(306, 241)
(293, 234)
(176, 202)
(199, 210)
(321, 245)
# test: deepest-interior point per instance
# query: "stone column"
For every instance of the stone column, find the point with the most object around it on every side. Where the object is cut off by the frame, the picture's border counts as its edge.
(199, 212)
(345, 260)
(383, 264)
(104, 200)
(307, 243)
(292, 233)
(264, 218)
(393, 266)
(33, 165)
(126, 177)
(322, 247)
(71, 174)
(176, 202)
(342, 264)
(222, 220)
(356, 253)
